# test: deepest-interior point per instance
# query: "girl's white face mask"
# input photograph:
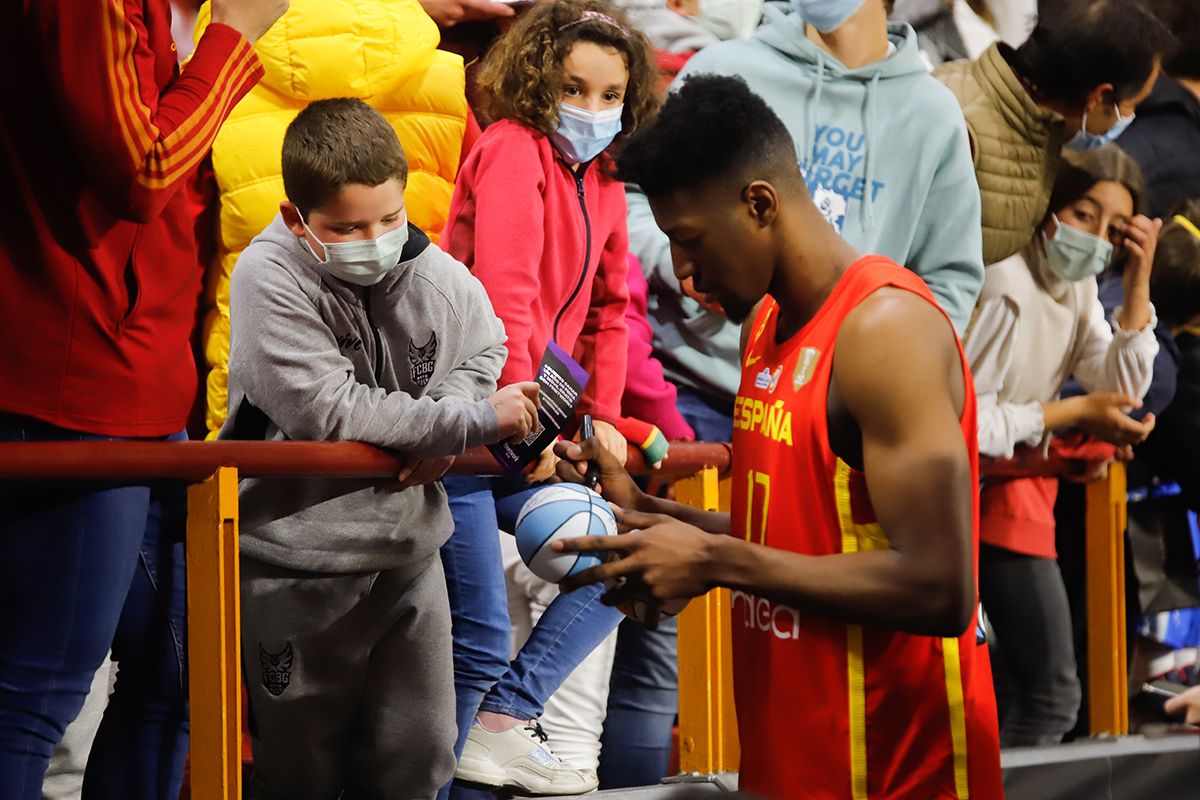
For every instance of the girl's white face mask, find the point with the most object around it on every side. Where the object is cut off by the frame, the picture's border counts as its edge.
(364, 262)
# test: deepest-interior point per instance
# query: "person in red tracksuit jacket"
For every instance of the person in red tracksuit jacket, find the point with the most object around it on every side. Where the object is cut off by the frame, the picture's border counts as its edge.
(101, 132)
(539, 220)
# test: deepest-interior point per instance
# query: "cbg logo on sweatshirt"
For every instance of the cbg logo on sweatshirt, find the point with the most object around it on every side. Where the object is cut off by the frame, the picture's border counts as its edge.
(422, 360)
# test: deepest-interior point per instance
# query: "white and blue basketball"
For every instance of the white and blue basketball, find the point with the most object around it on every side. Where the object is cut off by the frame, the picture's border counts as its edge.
(562, 511)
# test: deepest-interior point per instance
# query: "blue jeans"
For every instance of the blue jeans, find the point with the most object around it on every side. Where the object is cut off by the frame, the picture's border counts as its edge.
(571, 627)
(644, 695)
(85, 566)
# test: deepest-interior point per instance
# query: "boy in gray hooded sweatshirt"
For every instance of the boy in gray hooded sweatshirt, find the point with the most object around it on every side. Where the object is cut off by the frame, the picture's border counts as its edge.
(347, 323)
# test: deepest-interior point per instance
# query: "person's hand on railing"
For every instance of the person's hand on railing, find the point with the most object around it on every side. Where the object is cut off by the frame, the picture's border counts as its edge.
(420, 471)
(1088, 456)
(516, 408)
(615, 484)
(1102, 414)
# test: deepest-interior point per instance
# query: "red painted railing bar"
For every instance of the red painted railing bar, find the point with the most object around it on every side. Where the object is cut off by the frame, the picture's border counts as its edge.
(195, 461)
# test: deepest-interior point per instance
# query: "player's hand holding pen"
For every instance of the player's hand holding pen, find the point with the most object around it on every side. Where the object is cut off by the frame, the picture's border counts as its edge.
(614, 482)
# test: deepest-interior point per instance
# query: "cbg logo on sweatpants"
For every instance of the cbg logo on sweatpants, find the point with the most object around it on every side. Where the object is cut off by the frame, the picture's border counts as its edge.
(276, 669)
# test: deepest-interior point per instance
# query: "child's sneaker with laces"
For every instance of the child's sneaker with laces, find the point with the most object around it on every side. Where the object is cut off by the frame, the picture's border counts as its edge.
(519, 758)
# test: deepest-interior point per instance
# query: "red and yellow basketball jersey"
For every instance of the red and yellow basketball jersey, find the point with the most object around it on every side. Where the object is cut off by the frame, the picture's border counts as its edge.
(828, 709)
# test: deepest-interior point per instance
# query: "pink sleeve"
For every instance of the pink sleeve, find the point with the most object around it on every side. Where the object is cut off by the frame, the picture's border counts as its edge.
(649, 396)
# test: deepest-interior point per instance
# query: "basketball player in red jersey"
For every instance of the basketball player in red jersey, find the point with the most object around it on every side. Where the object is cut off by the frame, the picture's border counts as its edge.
(852, 542)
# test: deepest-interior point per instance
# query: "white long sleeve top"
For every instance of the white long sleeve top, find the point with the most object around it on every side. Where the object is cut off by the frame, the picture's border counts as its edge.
(1030, 333)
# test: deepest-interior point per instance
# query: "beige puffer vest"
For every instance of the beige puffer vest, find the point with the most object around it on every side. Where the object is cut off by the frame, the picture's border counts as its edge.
(1016, 145)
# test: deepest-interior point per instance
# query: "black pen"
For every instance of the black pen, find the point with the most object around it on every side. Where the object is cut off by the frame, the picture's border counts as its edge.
(591, 475)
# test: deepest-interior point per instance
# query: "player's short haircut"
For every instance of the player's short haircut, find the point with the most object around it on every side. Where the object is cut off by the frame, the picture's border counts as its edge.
(712, 127)
(336, 142)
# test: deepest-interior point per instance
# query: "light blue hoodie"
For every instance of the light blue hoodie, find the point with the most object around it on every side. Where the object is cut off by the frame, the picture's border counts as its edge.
(884, 149)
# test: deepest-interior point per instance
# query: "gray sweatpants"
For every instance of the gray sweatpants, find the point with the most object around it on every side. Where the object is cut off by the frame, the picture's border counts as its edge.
(351, 682)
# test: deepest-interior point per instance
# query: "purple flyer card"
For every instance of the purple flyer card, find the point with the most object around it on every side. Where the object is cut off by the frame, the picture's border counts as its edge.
(562, 381)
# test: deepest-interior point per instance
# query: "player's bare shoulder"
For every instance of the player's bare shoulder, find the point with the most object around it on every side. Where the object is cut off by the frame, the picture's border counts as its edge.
(897, 343)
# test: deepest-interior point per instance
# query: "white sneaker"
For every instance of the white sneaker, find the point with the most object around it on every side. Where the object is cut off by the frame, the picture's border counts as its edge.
(518, 758)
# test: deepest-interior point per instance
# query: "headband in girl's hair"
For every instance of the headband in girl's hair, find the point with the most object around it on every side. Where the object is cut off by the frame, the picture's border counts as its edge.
(595, 16)
(1187, 225)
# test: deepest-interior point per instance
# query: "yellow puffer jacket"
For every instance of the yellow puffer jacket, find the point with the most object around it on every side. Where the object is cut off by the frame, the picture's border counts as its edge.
(381, 51)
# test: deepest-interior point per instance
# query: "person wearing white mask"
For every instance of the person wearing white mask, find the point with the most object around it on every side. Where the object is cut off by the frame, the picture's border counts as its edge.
(1075, 82)
(1040, 322)
(348, 324)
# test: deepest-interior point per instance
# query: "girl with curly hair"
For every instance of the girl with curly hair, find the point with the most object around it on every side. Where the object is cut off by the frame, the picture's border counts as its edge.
(539, 219)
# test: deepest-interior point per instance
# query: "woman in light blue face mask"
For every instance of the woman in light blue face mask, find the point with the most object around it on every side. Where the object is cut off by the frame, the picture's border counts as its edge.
(1039, 322)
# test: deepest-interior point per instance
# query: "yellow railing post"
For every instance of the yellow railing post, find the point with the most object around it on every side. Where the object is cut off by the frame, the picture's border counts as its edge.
(707, 726)
(214, 637)
(1108, 681)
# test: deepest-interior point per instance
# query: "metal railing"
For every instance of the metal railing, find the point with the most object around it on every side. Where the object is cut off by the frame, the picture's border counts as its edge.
(213, 608)
(708, 732)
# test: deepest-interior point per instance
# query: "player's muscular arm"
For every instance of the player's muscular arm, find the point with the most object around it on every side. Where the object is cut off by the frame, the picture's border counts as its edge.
(897, 374)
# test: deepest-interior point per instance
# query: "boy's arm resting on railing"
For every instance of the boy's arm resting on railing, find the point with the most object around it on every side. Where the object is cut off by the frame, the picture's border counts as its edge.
(285, 360)
(475, 378)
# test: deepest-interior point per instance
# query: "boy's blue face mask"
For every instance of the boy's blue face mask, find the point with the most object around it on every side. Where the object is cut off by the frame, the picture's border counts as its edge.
(1086, 140)
(582, 135)
(827, 15)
